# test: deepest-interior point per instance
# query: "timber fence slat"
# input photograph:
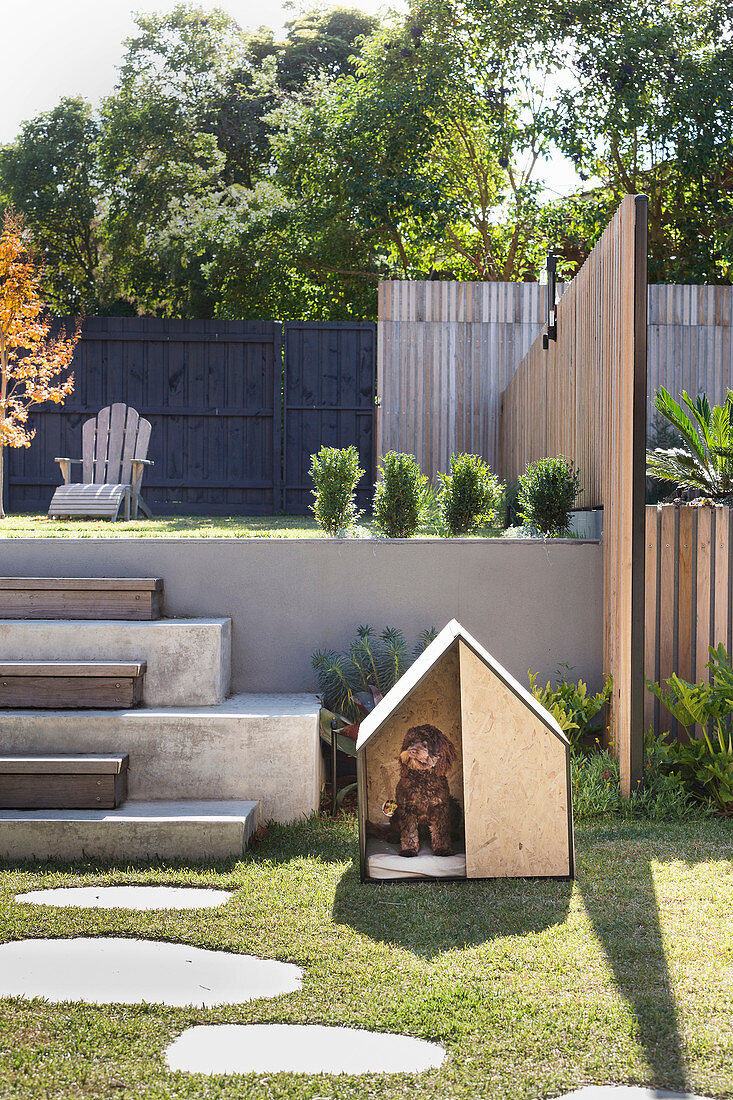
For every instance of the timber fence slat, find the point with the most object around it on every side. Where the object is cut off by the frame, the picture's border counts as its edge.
(688, 597)
(493, 325)
(597, 367)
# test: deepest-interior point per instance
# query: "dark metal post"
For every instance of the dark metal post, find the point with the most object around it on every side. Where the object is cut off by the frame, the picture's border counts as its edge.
(551, 333)
(334, 783)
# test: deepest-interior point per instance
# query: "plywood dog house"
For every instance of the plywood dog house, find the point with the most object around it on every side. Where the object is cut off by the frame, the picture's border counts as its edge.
(462, 774)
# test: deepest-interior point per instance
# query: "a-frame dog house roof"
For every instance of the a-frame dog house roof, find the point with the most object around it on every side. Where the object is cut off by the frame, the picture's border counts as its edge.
(424, 664)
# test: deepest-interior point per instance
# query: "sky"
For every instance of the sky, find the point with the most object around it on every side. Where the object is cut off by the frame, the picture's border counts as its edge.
(56, 48)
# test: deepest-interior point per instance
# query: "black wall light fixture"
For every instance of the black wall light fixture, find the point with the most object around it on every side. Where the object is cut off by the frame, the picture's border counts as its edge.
(551, 333)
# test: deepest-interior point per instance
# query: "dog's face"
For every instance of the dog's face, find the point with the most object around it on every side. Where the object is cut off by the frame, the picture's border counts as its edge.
(425, 748)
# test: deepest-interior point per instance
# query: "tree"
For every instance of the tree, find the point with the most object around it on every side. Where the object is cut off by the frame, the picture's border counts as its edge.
(648, 107)
(429, 151)
(321, 44)
(49, 174)
(32, 361)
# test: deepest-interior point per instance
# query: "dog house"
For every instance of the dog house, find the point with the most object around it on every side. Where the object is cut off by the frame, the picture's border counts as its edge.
(462, 774)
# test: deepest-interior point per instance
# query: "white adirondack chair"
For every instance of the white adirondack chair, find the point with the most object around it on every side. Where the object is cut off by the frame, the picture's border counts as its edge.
(114, 450)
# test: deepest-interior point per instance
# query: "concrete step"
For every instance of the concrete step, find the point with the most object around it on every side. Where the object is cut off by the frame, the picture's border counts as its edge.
(188, 660)
(81, 597)
(192, 830)
(262, 747)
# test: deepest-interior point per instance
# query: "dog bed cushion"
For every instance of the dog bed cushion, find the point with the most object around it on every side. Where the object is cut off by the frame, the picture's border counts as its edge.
(383, 861)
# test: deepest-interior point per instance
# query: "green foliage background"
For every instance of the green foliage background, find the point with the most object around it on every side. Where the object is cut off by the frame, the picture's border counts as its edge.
(233, 174)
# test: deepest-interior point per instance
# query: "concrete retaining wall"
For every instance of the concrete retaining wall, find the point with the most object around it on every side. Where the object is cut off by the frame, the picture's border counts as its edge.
(531, 603)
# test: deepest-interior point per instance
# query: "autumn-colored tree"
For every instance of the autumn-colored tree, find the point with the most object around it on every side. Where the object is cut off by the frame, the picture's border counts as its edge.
(32, 361)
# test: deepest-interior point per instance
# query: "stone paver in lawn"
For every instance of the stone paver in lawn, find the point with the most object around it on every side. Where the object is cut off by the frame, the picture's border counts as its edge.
(299, 1048)
(127, 897)
(127, 971)
(626, 1092)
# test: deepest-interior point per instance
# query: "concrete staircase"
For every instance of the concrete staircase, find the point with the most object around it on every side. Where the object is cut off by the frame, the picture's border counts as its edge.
(204, 766)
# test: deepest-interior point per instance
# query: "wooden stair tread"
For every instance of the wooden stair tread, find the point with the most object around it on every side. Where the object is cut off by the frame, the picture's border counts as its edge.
(124, 598)
(105, 763)
(84, 584)
(72, 668)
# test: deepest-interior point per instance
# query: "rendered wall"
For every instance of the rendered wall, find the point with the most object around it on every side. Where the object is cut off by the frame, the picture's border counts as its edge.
(532, 604)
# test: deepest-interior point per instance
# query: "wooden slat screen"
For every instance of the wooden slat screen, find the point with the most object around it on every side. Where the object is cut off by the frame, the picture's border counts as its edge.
(447, 351)
(689, 583)
(585, 397)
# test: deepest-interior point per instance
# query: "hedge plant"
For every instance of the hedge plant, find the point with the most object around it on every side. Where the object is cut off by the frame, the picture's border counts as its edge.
(336, 473)
(399, 496)
(468, 495)
(547, 492)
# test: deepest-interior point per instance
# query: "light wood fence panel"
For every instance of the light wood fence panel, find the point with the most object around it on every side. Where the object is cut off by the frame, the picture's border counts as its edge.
(585, 397)
(447, 351)
(689, 555)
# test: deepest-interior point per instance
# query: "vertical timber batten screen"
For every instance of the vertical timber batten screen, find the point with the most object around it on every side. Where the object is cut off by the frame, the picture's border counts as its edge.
(585, 397)
(445, 353)
(689, 596)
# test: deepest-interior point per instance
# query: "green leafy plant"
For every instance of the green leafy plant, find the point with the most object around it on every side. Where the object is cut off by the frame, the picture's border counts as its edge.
(597, 790)
(595, 784)
(548, 490)
(468, 494)
(336, 473)
(352, 683)
(570, 704)
(399, 496)
(431, 518)
(705, 460)
(704, 763)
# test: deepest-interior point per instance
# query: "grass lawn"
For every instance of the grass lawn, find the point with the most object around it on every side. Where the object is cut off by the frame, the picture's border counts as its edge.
(165, 527)
(534, 987)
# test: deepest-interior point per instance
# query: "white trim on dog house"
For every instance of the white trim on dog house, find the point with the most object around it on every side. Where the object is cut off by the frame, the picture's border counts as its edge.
(515, 760)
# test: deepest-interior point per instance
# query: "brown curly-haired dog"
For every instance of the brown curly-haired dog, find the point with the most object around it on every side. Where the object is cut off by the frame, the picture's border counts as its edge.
(422, 794)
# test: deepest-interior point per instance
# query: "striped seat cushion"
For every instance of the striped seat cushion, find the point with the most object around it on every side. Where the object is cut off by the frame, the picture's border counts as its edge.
(88, 500)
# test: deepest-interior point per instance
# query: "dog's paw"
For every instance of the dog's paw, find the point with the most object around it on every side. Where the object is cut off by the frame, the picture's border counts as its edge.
(443, 852)
(409, 851)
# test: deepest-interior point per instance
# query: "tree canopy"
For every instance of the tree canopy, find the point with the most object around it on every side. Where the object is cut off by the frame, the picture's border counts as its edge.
(244, 174)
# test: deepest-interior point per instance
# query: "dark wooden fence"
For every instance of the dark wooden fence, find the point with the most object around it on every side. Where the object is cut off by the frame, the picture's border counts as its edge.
(213, 391)
(329, 399)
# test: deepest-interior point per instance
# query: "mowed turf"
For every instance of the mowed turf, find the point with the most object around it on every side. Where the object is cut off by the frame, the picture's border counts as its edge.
(534, 987)
(202, 527)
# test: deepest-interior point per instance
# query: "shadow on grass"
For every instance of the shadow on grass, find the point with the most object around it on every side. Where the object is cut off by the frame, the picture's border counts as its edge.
(619, 897)
(623, 910)
(429, 918)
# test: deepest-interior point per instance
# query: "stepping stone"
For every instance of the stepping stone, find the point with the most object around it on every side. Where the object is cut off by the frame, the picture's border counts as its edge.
(127, 897)
(626, 1092)
(125, 971)
(299, 1048)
